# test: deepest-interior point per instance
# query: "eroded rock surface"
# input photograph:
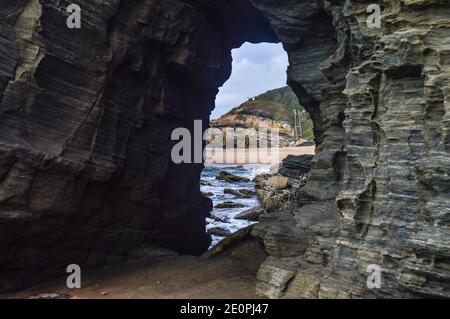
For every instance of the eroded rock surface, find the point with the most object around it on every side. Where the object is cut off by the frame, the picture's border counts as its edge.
(378, 190)
(86, 117)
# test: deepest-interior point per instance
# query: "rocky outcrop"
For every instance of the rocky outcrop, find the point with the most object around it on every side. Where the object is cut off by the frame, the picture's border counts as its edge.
(375, 194)
(272, 110)
(251, 214)
(219, 231)
(245, 121)
(249, 131)
(248, 125)
(86, 117)
(274, 196)
(295, 166)
(278, 192)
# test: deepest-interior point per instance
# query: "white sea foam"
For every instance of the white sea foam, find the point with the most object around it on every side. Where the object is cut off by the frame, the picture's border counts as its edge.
(224, 218)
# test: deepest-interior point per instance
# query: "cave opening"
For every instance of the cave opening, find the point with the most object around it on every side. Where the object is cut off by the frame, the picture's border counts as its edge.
(256, 69)
(105, 179)
(86, 116)
(254, 102)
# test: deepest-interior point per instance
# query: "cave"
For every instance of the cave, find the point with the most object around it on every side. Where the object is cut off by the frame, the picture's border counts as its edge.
(86, 117)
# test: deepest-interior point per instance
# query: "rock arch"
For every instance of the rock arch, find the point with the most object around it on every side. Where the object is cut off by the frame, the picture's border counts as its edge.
(86, 117)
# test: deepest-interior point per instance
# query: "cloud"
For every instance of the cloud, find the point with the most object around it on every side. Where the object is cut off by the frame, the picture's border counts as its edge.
(257, 68)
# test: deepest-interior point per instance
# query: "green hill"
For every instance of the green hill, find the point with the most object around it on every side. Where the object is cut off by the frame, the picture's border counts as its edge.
(278, 105)
(264, 108)
(283, 95)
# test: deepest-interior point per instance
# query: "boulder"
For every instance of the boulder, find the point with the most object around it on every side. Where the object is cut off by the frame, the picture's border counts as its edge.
(228, 177)
(219, 231)
(276, 192)
(242, 193)
(247, 192)
(296, 166)
(229, 205)
(231, 240)
(251, 214)
(277, 182)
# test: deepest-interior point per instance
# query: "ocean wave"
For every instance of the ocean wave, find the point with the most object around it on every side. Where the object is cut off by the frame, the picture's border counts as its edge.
(223, 218)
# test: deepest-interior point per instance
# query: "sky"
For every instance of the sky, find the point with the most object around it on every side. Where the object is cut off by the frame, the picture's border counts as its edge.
(257, 68)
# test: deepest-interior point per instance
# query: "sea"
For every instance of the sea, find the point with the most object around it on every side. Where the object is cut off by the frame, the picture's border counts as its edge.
(224, 217)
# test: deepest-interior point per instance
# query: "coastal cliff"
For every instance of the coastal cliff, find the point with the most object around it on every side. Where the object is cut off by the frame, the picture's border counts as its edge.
(375, 194)
(270, 111)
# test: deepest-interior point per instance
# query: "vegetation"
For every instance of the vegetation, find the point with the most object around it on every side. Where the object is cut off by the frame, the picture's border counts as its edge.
(283, 95)
(278, 104)
(267, 109)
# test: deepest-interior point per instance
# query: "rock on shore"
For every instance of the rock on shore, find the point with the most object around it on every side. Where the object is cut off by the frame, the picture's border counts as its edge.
(228, 177)
(277, 192)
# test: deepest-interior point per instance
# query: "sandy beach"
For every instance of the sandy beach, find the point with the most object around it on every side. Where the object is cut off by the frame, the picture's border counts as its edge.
(254, 156)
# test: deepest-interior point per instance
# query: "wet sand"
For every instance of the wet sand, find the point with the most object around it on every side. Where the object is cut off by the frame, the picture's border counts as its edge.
(254, 156)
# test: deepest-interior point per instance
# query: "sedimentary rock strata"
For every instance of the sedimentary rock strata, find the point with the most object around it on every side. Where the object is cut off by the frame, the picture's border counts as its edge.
(375, 194)
(86, 117)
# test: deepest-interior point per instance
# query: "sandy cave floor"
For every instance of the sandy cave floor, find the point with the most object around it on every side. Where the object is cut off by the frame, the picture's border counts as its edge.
(230, 275)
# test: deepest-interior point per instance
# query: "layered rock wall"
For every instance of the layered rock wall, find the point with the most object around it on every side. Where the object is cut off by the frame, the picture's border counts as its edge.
(378, 190)
(86, 117)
